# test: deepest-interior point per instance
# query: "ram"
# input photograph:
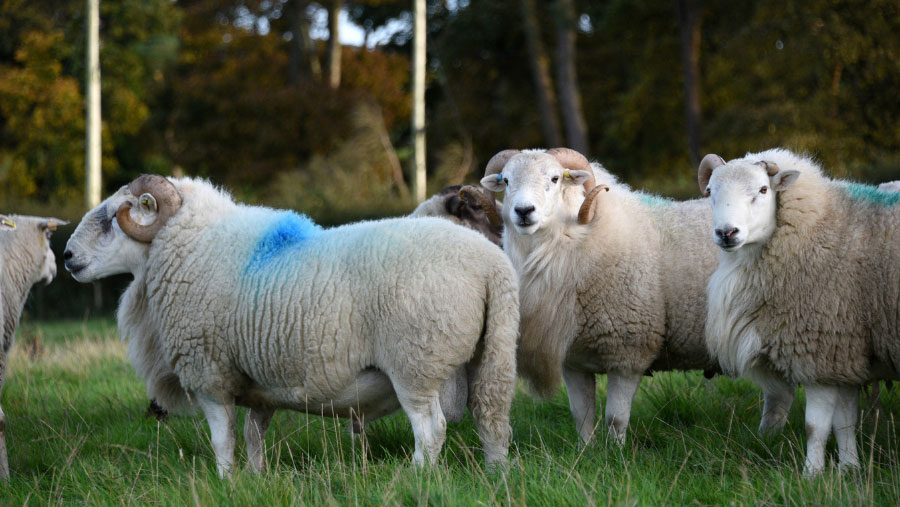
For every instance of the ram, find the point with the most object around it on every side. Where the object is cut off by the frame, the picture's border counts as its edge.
(611, 281)
(235, 304)
(468, 206)
(25, 259)
(807, 287)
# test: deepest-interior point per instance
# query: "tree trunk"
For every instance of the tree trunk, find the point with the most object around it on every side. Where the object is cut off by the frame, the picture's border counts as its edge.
(688, 12)
(334, 44)
(304, 62)
(92, 95)
(418, 109)
(567, 79)
(540, 72)
(385, 137)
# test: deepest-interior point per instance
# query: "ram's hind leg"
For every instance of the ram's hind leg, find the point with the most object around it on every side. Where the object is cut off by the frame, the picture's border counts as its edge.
(427, 420)
(777, 399)
(846, 413)
(620, 390)
(221, 418)
(821, 402)
(582, 390)
(454, 395)
(4, 462)
(255, 426)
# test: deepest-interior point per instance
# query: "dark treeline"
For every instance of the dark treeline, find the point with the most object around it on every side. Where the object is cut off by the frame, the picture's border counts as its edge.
(255, 95)
(244, 92)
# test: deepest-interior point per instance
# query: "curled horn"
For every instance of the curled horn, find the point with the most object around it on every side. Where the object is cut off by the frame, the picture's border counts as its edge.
(168, 201)
(497, 162)
(586, 213)
(704, 173)
(474, 195)
(770, 167)
(571, 159)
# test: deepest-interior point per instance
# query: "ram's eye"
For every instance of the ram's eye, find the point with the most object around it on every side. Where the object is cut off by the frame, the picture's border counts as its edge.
(555, 179)
(505, 181)
(763, 190)
(707, 190)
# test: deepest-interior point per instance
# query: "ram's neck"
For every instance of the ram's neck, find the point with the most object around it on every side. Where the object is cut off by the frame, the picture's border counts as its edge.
(133, 308)
(15, 283)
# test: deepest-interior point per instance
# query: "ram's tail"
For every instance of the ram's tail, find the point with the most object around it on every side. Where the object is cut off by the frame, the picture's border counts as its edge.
(492, 372)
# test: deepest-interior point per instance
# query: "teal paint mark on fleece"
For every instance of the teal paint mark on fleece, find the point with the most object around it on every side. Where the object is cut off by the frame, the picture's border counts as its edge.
(288, 232)
(860, 192)
(653, 200)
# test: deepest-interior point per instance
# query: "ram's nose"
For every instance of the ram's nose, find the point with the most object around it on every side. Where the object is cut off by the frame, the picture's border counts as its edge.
(523, 211)
(727, 234)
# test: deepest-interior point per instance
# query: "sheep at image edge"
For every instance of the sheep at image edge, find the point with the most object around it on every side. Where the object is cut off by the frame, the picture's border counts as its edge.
(235, 304)
(807, 287)
(25, 259)
(610, 282)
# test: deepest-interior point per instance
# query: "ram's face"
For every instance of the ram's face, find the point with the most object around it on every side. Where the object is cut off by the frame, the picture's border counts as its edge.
(31, 237)
(98, 248)
(48, 261)
(743, 200)
(534, 184)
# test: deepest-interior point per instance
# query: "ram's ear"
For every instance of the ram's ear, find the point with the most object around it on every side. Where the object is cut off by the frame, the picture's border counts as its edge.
(494, 183)
(784, 179)
(50, 224)
(7, 223)
(577, 177)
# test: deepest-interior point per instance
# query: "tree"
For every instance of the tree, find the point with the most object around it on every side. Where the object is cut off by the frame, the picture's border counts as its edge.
(688, 12)
(334, 43)
(567, 78)
(304, 61)
(540, 70)
(92, 106)
(418, 109)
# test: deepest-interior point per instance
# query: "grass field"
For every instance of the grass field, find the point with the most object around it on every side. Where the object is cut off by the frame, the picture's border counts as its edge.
(78, 434)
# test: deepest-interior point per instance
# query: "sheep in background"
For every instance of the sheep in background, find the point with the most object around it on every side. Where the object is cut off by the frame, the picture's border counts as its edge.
(466, 205)
(359, 319)
(807, 287)
(610, 282)
(25, 259)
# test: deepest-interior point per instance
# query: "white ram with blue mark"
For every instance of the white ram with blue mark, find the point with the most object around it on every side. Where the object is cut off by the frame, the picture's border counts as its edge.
(235, 304)
(808, 286)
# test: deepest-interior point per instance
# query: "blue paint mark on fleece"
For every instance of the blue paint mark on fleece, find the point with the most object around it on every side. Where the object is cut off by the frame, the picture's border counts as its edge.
(653, 200)
(860, 192)
(287, 232)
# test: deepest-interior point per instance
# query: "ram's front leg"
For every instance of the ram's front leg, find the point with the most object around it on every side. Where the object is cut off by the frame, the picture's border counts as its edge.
(620, 390)
(255, 426)
(221, 419)
(582, 390)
